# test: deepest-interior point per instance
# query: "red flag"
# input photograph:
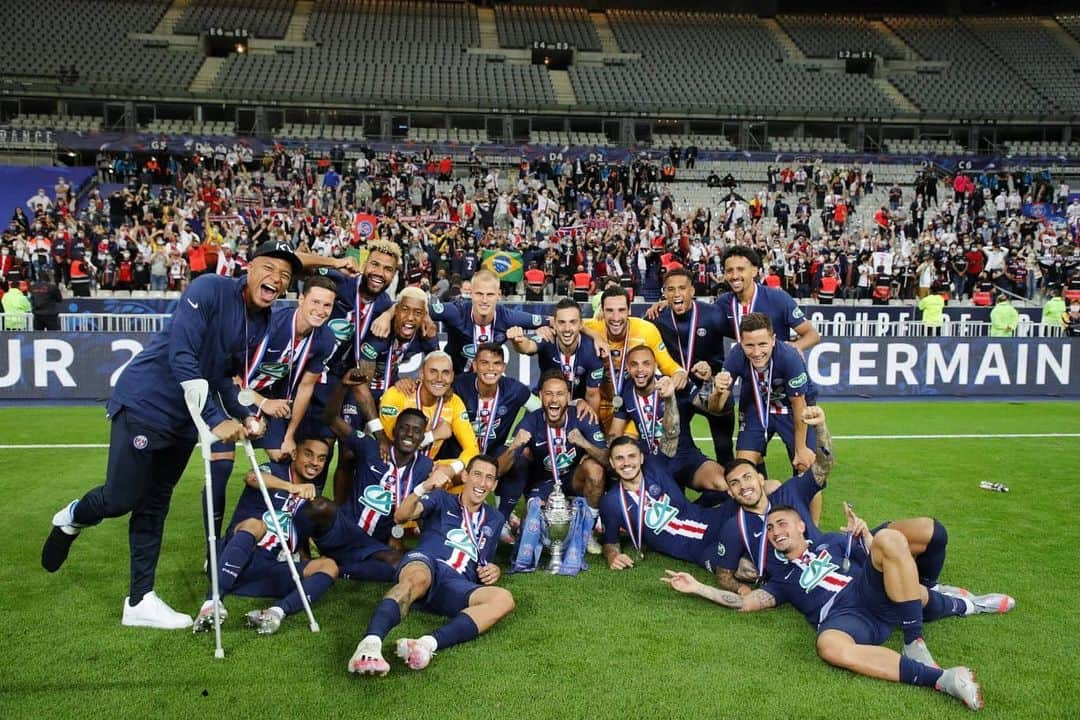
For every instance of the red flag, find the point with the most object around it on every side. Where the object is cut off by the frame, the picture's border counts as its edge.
(364, 226)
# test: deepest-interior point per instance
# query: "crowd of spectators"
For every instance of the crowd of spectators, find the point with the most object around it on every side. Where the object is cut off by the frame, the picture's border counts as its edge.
(574, 220)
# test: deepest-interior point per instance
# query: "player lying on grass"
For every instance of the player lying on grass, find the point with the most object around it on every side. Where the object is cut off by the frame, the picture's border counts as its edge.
(253, 563)
(854, 588)
(449, 573)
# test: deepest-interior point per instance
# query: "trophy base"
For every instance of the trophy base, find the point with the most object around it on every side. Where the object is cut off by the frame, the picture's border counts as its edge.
(555, 564)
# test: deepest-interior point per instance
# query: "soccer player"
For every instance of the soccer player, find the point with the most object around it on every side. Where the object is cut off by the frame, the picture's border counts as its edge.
(493, 402)
(666, 521)
(450, 573)
(615, 332)
(694, 332)
(561, 446)
(252, 561)
(776, 389)
(571, 351)
(742, 266)
(411, 333)
(283, 372)
(854, 589)
(480, 319)
(662, 418)
(435, 398)
(218, 321)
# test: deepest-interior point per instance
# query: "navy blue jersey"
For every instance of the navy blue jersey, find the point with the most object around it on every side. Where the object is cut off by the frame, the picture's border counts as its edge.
(463, 335)
(647, 412)
(209, 336)
(671, 524)
(251, 505)
(460, 540)
(745, 532)
(784, 378)
(388, 354)
(814, 580)
(708, 331)
(781, 308)
(379, 486)
(566, 453)
(276, 369)
(492, 418)
(358, 323)
(584, 367)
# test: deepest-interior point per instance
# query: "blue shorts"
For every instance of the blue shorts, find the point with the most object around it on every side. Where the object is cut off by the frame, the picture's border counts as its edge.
(543, 485)
(863, 610)
(449, 592)
(710, 548)
(266, 576)
(753, 437)
(686, 462)
(313, 425)
(347, 544)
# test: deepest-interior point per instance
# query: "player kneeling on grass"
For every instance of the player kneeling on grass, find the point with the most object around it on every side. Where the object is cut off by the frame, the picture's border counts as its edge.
(252, 561)
(450, 572)
(855, 594)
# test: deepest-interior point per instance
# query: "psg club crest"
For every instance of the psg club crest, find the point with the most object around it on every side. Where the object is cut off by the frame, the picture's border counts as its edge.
(140, 442)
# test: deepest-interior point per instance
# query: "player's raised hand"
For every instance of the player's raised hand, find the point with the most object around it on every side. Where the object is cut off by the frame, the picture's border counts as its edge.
(306, 491)
(682, 581)
(522, 437)
(277, 408)
(228, 431)
(347, 265)
(575, 437)
(254, 427)
(665, 388)
(603, 349)
(655, 309)
(442, 431)
(514, 333)
(813, 415)
(701, 370)
(722, 381)
(545, 333)
(359, 375)
(406, 386)
(804, 459)
(679, 379)
(585, 411)
(428, 328)
(439, 477)
(382, 325)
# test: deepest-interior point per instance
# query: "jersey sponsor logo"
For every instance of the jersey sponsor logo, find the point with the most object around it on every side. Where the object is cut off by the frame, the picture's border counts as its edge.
(378, 499)
(797, 381)
(341, 329)
(140, 442)
(469, 351)
(597, 374)
(659, 514)
(348, 409)
(465, 415)
(275, 370)
(436, 305)
(563, 461)
(537, 320)
(324, 271)
(797, 313)
(389, 411)
(817, 570)
(458, 539)
(368, 351)
(480, 426)
(284, 520)
(661, 347)
(598, 436)
(720, 550)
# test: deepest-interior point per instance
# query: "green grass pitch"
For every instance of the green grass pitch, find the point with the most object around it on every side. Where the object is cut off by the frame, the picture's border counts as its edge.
(601, 645)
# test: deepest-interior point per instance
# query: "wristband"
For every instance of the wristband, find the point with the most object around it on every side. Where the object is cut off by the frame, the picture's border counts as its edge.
(373, 426)
(429, 439)
(420, 491)
(457, 466)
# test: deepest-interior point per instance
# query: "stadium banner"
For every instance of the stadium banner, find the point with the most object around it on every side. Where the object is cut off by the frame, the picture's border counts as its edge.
(504, 263)
(85, 366)
(820, 315)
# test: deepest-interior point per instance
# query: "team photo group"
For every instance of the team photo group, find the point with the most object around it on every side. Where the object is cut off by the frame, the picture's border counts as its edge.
(386, 455)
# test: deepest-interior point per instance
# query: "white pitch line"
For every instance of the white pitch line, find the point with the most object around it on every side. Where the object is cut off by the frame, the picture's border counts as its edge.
(701, 438)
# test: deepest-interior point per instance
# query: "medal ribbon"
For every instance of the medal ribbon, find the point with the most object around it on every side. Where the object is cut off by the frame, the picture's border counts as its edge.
(481, 404)
(296, 369)
(253, 364)
(762, 401)
(639, 541)
(648, 413)
(688, 359)
(737, 313)
(472, 528)
(478, 333)
(569, 363)
(362, 318)
(397, 349)
(617, 382)
(400, 489)
(555, 441)
(434, 421)
(745, 532)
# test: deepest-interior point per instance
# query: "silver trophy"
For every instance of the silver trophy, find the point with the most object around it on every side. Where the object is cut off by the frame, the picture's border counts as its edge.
(558, 514)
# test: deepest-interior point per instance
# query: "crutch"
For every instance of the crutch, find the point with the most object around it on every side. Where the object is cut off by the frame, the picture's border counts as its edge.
(195, 394)
(250, 452)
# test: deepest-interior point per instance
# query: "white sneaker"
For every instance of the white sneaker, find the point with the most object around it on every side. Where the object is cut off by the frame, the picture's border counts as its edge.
(153, 612)
(594, 547)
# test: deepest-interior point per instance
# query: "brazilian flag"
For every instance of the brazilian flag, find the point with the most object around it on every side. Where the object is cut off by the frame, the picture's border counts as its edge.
(504, 263)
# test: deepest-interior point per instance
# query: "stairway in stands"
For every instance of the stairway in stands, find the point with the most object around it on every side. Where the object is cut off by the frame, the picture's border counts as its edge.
(299, 21)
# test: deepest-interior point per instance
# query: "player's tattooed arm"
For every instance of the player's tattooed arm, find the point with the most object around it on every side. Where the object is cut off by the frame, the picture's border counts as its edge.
(824, 458)
(725, 580)
(688, 584)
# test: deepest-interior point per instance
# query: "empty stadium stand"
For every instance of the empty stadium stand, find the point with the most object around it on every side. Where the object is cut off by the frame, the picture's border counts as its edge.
(822, 36)
(262, 18)
(518, 26)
